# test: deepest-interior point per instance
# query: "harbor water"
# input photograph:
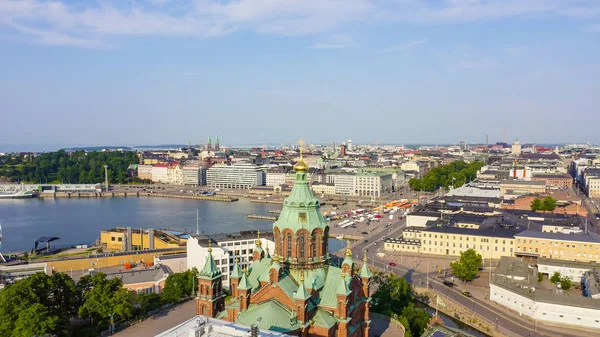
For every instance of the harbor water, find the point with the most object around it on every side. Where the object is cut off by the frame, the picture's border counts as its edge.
(80, 220)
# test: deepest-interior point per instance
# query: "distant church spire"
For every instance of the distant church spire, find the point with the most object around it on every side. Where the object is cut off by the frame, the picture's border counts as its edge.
(209, 144)
(217, 143)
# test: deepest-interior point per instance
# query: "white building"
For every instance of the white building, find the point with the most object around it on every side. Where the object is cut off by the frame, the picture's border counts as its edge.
(194, 175)
(225, 248)
(412, 166)
(235, 176)
(516, 148)
(514, 285)
(319, 188)
(160, 173)
(145, 172)
(361, 183)
(277, 177)
(175, 174)
(204, 326)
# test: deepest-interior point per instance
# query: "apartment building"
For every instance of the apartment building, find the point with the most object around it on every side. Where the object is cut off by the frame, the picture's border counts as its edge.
(225, 249)
(555, 180)
(194, 175)
(160, 173)
(175, 174)
(145, 172)
(452, 241)
(564, 246)
(520, 187)
(235, 176)
(367, 184)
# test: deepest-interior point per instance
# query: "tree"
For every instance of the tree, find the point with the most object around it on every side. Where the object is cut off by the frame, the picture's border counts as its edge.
(393, 294)
(555, 277)
(467, 267)
(417, 319)
(148, 302)
(565, 283)
(536, 204)
(107, 297)
(179, 285)
(35, 321)
(37, 303)
(549, 204)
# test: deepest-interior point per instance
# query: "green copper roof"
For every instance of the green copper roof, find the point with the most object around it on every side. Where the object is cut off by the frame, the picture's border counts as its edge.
(269, 315)
(257, 268)
(237, 270)
(209, 138)
(328, 294)
(210, 270)
(324, 318)
(301, 294)
(244, 282)
(365, 272)
(301, 209)
(343, 286)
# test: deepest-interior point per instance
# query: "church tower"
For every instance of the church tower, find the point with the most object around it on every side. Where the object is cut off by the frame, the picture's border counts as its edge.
(301, 232)
(217, 147)
(210, 299)
(209, 143)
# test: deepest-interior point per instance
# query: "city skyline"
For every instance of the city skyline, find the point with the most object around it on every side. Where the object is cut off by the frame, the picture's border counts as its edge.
(158, 72)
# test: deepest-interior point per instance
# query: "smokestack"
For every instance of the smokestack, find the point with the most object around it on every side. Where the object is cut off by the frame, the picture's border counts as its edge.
(504, 135)
(486, 143)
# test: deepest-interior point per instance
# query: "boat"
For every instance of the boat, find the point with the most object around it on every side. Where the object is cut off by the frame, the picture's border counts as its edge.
(340, 237)
(16, 195)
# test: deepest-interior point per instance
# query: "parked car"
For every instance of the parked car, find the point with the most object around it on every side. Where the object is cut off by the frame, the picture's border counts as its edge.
(448, 284)
(364, 233)
(392, 264)
(466, 293)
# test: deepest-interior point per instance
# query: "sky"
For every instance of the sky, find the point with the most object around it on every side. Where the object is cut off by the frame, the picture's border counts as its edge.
(132, 72)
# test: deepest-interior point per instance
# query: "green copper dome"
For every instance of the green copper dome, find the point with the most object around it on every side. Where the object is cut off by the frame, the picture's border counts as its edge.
(301, 209)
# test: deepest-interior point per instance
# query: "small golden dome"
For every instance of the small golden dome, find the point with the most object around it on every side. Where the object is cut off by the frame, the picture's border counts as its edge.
(301, 166)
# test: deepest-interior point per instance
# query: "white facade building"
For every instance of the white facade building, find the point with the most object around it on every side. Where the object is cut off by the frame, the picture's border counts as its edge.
(160, 173)
(145, 172)
(276, 178)
(225, 248)
(204, 326)
(235, 176)
(194, 175)
(175, 175)
(361, 184)
(411, 166)
(516, 148)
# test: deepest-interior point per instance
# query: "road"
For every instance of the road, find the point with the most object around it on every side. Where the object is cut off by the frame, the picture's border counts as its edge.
(516, 326)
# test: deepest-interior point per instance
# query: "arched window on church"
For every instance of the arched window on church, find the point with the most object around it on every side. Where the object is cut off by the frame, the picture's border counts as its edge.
(289, 245)
(314, 245)
(302, 243)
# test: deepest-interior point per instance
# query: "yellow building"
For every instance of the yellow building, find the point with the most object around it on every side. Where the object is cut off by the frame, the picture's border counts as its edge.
(116, 239)
(452, 241)
(150, 161)
(572, 247)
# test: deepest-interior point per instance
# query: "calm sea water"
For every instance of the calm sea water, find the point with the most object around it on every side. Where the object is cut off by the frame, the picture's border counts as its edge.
(79, 221)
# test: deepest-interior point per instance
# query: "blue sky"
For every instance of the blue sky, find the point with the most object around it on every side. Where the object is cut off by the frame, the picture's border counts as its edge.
(103, 72)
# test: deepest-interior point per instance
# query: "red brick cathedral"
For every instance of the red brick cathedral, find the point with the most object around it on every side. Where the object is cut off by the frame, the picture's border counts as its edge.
(296, 290)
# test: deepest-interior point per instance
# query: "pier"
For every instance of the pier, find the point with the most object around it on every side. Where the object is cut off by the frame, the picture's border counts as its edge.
(136, 195)
(262, 217)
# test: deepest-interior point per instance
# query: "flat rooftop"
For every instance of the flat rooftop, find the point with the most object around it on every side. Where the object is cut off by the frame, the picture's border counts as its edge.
(217, 238)
(578, 237)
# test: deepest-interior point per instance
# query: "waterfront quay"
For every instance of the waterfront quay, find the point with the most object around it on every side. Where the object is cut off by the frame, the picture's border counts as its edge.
(136, 194)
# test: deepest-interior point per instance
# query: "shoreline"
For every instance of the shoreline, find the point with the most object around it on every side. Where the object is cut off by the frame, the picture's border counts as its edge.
(136, 195)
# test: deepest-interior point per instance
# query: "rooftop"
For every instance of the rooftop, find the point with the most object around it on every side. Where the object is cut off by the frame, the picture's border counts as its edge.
(213, 328)
(579, 237)
(488, 232)
(224, 237)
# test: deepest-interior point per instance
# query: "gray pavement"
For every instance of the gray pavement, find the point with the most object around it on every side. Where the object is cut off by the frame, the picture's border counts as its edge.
(161, 322)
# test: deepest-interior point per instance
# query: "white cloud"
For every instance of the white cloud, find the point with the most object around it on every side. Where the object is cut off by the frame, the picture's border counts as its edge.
(405, 46)
(101, 20)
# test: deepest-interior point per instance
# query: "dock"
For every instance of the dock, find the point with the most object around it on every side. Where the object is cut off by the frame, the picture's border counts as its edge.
(136, 195)
(262, 217)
